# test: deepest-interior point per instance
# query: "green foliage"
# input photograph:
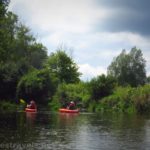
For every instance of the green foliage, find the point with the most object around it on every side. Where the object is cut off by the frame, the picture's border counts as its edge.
(27, 51)
(4, 30)
(148, 80)
(127, 99)
(129, 69)
(141, 98)
(63, 67)
(92, 106)
(8, 81)
(101, 86)
(54, 105)
(6, 106)
(72, 92)
(119, 101)
(37, 85)
(19, 52)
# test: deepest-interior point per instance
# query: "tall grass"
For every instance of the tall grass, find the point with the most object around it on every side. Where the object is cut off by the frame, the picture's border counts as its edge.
(127, 99)
(141, 98)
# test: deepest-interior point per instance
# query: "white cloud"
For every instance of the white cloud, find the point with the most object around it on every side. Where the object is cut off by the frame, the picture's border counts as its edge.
(75, 16)
(89, 71)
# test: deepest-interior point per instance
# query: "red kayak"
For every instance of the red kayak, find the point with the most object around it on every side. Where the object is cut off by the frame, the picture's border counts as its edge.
(30, 110)
(65, 110)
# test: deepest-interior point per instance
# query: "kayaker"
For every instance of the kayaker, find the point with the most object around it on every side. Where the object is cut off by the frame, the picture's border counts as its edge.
(32, 105)
(71, 105)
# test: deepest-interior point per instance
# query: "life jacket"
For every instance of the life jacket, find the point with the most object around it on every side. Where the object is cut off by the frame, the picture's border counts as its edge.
(32, 105)
(71, 105)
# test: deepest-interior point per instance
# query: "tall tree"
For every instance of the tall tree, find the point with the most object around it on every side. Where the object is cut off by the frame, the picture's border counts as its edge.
(129, 68)
(7, 69)
(28, 53)
(7, 22)
(19, 51)
(63, 67)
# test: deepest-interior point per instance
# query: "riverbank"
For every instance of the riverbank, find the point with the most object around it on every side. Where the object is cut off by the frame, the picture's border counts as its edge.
(123, 99)
(126, 99)
(6, 106)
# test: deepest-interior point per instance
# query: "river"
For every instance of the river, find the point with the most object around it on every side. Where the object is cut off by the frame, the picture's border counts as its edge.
(85, 131)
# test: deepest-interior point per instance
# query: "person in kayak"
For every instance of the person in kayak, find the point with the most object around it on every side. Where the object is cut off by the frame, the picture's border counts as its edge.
(71, 105)
(32, 105)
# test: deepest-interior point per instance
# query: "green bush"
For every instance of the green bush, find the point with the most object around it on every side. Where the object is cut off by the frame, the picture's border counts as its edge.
(7, 106)
(141, 98)
(38, 85)
(54, 105)
(127, 99)
(120, 100)
(71, 92)
(101, 86)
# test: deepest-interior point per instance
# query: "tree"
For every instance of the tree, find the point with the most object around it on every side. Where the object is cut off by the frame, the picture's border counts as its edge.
(7, 68)
(19, 52)
(63, 67)
(28, 51)
(38, 85)
(101, 86)
(7, 26)
(129, 68)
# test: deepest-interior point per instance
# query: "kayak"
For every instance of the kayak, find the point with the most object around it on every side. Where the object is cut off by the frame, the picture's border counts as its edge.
(30, 110)
(64, 110)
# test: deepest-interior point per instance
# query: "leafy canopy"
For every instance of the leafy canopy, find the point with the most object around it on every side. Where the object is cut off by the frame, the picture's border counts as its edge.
(63, 66)
(101, 86)
(38, 85)
(129, 68)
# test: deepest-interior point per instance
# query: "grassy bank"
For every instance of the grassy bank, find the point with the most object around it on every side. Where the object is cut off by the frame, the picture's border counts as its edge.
(126, 99)
(6, 106)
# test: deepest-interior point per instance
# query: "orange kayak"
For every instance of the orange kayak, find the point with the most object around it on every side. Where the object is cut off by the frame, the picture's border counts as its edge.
(64, 110)
(30, 110)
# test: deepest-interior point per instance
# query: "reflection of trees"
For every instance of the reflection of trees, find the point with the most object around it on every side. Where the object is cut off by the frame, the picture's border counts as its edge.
(7, 125)
(67, 119)
(125, 130)
(16, 129)
(26, 127)
(65, 128)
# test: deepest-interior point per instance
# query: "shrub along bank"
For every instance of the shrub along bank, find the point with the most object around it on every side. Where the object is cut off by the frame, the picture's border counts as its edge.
(6, 106)
(126, 99)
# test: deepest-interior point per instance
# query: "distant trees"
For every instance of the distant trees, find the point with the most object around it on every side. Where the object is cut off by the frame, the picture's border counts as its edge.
(129, 68)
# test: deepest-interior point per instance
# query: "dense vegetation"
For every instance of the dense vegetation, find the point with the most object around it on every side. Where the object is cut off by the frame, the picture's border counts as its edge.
(127, 99)
(129, 68)
(27, 72)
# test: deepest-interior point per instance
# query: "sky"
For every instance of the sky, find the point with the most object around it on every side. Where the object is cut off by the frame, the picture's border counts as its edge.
(93, 32)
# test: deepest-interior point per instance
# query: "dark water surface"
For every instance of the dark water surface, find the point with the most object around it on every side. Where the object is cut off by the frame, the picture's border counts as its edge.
(46, 131)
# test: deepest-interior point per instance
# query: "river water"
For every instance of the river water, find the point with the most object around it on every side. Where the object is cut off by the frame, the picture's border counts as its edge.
(84, 131)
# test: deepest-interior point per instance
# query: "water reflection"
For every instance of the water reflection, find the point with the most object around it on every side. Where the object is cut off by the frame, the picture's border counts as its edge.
(30, 118)
(46, 130)
(68, 119)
